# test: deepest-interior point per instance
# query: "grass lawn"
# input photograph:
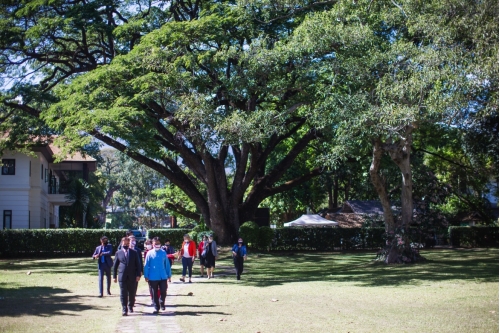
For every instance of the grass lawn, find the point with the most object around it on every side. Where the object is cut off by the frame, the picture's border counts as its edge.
(455, 291)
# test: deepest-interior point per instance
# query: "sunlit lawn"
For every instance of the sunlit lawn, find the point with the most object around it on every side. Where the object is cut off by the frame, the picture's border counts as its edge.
(60, 295)
(455, 291)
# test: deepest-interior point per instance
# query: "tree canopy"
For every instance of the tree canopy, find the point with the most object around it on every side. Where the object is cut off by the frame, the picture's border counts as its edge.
(237, 101)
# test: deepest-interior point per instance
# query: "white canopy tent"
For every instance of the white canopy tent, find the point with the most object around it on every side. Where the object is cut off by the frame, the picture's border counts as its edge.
(311, 221)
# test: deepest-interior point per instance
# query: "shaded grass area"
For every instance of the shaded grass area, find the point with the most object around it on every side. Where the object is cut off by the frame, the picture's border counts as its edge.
(60, 295)
(454, 291)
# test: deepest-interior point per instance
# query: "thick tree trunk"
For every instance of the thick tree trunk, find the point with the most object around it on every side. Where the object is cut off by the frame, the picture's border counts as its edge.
(378, 183)
(224, 207)
(400, 155)
(398, 249)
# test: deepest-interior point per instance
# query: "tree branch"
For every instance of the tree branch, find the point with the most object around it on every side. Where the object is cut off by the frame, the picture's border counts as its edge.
(294, 182)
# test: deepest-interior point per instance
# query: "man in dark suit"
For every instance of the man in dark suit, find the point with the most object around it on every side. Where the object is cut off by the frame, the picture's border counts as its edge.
(104, 263)
(127, 265)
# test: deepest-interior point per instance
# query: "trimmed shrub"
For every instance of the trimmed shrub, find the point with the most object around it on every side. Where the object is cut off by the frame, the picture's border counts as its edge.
(266, 236)
(249, 231)
(473, 236)
(175, 235)
(55, 242)
(327, 239)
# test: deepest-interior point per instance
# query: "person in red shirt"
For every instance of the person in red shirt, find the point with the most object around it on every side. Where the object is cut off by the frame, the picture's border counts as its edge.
(188, 255)
(201, 247)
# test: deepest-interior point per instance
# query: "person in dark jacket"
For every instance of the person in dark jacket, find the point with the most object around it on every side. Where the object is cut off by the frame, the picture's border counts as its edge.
(210, 256)
(133, 246)
(239, 255)
(170, 250)
(104, 263)
(128, 267)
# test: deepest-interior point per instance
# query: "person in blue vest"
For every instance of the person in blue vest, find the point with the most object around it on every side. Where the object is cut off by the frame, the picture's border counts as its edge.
(156, 273)
(239, 255)
(104, 263)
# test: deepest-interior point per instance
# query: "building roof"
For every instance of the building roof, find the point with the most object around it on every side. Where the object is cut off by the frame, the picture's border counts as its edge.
(363, 207)
(346, 220)
(76, 157)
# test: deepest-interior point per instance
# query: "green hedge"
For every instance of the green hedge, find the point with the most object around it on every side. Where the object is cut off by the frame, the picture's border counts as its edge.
(78, 242)
(473, 236)
(54, 242)
(327, 239)
(249, 231)
(175, 235)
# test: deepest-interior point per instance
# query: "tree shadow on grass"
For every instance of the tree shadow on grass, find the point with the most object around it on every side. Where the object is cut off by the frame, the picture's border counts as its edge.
(478, 265)
(199, 313)
(65, 266)
(39, 301)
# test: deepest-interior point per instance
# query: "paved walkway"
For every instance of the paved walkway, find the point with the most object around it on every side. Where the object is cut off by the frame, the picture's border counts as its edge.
(143, 319)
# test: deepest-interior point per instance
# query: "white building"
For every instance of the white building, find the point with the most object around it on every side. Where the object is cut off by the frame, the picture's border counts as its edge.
(33, 187)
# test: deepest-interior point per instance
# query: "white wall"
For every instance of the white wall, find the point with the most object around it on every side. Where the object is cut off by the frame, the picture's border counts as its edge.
(27, 192)
(15, 191)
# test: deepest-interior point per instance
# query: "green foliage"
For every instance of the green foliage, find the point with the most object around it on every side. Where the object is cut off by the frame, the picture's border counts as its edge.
(266, 236)
(249, 231)
(327, 239)
(124, 220)
(280, 88)
(201, 230)
(474, 236)
(175, 235)
(55, 242)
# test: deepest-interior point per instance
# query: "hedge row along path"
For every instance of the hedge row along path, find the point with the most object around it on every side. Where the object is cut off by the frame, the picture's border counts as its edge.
(144, 321)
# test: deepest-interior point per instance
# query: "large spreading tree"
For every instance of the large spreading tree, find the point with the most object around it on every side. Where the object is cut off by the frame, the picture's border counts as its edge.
(392, 70)
(197, 90)
(223, 97)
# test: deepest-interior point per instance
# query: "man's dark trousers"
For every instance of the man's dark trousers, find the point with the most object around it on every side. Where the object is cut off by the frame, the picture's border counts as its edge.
(128, 268)
(127, 292)
(162, 284)
(104, 270)
(238, 264)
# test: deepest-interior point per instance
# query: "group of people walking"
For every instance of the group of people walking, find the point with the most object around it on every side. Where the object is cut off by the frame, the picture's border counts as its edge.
(156, 262)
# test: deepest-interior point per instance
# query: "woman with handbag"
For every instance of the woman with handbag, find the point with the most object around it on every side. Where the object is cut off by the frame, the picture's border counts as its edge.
(210, 256)
(188, 254)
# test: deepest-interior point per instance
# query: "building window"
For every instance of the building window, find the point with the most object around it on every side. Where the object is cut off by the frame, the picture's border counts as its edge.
(8, 167)
(30, 168)
(41, 170)
(46, 175)
(7, 219)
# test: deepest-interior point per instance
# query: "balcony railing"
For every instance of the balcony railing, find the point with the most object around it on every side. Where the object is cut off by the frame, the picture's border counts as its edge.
(58, 188)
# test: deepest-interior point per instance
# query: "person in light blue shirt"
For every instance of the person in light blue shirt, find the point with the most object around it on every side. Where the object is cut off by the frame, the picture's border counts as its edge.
(156, 272)
(239, 255)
